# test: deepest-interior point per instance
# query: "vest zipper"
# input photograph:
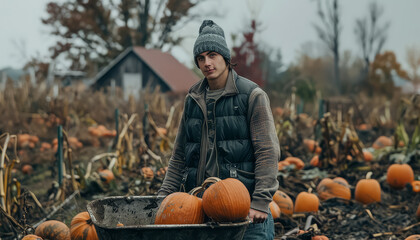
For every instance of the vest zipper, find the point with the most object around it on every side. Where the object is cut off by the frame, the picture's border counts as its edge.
(201, 169)
(215, 139)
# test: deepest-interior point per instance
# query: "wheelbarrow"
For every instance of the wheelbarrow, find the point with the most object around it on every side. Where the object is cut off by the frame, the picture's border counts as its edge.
(137, 214)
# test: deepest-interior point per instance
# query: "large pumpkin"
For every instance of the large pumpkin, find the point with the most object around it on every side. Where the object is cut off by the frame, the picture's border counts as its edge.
(275, 210)
(382, 142)
(284, 202)
(53, 230)
(320, 237)
(180, 208)
(333, 188)
(306, 202)
(226, 200)
(398, 175)
(368, 190)
(299, 164)
(31, 237)
(82, 228)
(413, 237)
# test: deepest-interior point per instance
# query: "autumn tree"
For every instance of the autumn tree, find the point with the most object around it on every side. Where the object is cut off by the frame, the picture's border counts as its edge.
(248, 57)
(329, 32)
(92, 32)
(413, 59)
(371, 35)
(382, 72)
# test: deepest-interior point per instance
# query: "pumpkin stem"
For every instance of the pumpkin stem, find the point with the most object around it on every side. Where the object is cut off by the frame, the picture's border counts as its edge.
(368, 175)
(310, 190)
(196, 190)
(210, 181)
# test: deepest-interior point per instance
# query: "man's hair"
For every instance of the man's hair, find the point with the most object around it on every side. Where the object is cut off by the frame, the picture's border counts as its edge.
(230, 64)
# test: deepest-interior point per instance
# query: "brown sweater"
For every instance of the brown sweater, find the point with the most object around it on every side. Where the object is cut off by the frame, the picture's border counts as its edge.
(264, 140)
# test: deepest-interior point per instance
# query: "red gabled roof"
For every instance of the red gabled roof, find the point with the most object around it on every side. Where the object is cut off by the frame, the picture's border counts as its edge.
(178, 77)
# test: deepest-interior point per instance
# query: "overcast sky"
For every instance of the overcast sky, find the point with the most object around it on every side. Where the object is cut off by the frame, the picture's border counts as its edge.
(286, 25)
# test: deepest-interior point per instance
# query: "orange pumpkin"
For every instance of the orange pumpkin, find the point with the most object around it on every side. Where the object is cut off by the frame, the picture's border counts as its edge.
(320, 237)
(368, 190)
(147, 172)
(398, 175)
(226, 200)
(110, 133)
(106, 175)
(315, 161)
(312, 146)
(23, 139)
(282, 164)
(363, 127)
(275, 210)
(31, 237)
(120, 225)
(418, 212)
(161, 172)
(368, 156)
(413, 237)
(333, 188)
(295, 161)
(342, 180)
(382, 142)
(75, 143)
(82, 228)
(284, 202)
(415, 185)
(161, 131)
(180, 208)
(27, 169)
(53, 230)
(306, 202)
(45, 146)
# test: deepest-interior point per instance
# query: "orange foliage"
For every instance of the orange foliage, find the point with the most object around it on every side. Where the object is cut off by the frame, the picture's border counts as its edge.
(381, 73)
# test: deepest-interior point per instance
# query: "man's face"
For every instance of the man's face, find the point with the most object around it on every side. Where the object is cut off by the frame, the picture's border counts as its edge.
(212, 65)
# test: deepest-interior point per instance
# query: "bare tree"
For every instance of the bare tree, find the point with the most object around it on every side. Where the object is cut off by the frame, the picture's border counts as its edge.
(370, 34)
(413, 59)
(329, 32)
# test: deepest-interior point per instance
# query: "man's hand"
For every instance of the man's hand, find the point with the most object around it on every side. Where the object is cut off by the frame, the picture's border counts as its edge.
(256, 216)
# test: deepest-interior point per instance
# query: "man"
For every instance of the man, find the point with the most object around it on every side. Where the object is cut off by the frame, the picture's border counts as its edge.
(227, 130)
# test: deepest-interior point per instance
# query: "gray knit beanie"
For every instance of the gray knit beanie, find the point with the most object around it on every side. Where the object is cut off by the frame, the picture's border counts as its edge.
(211, 38)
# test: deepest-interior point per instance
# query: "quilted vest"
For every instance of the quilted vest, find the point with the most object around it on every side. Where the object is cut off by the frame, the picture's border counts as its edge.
(229, 121)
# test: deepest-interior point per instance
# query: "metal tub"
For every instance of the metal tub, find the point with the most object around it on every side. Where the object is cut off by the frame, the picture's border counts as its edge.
(138, 215)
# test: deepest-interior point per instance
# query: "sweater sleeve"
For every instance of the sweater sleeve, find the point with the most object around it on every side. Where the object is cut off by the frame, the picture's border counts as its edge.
(266, 149)
(174, 174)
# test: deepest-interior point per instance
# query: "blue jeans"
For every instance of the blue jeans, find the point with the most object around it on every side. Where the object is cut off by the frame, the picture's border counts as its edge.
(263, 231)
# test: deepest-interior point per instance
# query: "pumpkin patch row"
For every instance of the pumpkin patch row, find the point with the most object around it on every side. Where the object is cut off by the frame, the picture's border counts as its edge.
(81, 228)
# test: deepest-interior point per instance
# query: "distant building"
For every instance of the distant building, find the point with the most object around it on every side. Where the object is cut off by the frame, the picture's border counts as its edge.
(406, 85)
(138, 67)
(14, 75)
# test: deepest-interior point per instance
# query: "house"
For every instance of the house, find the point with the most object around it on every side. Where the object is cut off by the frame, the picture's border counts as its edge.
(138, 67)
(406, 85)
(15, 75)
